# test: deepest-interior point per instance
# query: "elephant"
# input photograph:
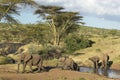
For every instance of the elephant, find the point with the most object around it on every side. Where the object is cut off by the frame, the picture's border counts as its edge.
(68, 63)
(105, 61)
(95, 60)
(30, 60)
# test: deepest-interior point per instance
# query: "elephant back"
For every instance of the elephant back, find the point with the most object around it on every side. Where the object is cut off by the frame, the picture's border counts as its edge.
(94, 59)
(105, 58)
(69, 61)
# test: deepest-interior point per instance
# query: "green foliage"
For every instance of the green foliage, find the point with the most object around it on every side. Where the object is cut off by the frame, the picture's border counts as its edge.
(7, 10)
(5, 60)
(9, 7)
(74, 42)
(45, 50)
(41, 34)
(38, 33)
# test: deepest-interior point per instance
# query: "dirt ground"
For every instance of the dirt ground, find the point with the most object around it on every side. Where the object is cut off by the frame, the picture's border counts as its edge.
(115, 66)
(8, 72)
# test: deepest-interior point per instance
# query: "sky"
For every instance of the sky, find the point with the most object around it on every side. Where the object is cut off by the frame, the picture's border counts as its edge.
(96, 13)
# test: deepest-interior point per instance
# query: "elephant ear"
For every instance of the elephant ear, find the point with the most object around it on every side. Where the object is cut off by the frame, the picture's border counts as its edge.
(27, 57)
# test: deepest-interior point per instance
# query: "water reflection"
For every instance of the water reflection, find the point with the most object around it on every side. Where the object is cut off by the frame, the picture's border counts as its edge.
(95, 71)
(104, 72)
(109, 73)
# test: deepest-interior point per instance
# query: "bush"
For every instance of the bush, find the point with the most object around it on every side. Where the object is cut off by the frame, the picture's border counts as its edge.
(31, 48)
(46, 49)
(2, 60)
(74, 42)
(6, 60)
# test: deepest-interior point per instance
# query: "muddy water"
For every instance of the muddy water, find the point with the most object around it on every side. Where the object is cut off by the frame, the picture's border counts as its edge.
(109, 73)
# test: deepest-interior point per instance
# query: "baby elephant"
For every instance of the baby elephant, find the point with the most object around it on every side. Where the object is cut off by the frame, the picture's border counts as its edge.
(68, 63)
(105, 61)
(95, 60)
(30, 60)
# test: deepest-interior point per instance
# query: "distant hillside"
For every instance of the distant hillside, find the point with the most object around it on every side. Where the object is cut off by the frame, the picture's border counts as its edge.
(92, 31)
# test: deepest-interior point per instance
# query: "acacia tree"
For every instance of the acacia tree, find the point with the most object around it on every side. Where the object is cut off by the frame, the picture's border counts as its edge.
(8, 7)
(60, 22)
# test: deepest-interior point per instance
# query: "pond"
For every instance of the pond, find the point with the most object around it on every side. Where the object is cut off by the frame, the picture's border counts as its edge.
(109, 73)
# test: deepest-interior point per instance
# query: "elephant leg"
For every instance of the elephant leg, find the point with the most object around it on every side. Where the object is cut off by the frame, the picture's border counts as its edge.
(31, 68)
(57, 65)
(24, 66)
(40, 65)
(96, 70)
(103, 65)
(30, 64)
(94, 65)
(76, 68)
(39, 68)
(18, 68)
(106, 65)
(64, 66)
(72, 66)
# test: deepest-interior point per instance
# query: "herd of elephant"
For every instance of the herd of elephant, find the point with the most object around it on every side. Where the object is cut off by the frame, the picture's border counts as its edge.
(104, 64)
(66, 62)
